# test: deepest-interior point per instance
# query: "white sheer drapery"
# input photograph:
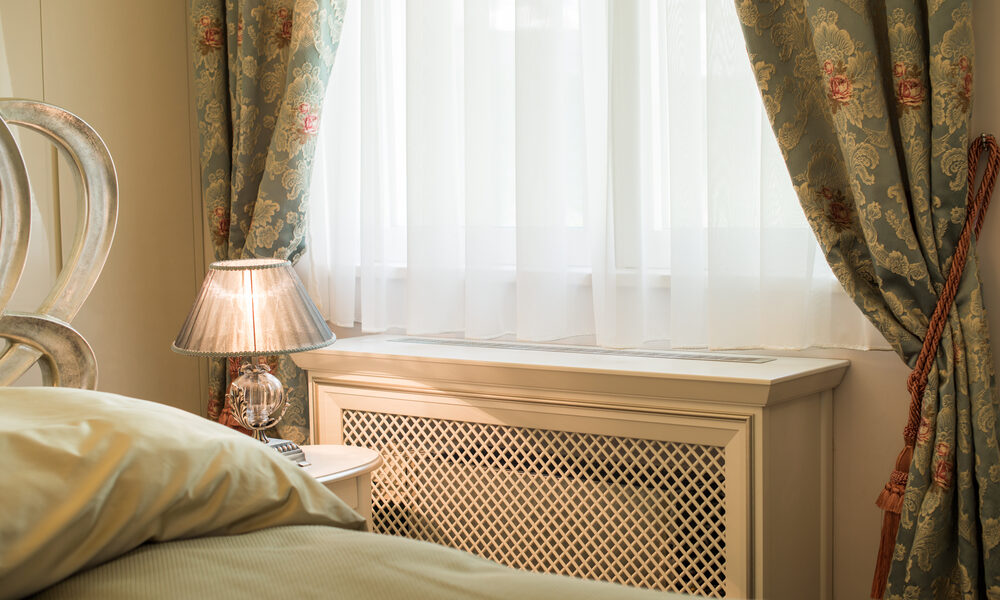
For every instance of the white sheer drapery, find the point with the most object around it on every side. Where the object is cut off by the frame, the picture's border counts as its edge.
(551, 169)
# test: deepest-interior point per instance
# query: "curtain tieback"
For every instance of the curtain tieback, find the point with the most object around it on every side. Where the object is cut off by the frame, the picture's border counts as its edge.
(891, 498)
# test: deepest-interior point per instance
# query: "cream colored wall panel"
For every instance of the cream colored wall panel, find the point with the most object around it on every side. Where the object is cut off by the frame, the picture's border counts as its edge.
(23, 52)
(123, 67)
(22, 59)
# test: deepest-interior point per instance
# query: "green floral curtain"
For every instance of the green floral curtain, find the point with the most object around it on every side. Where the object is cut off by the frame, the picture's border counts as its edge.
(260, 74)
(870, 103)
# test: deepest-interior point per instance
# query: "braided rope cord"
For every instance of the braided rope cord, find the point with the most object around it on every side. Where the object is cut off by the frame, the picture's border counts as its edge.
(891, 498)
(977, 204)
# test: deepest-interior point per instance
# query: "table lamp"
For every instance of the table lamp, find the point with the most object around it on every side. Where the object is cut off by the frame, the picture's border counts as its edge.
(253, 308)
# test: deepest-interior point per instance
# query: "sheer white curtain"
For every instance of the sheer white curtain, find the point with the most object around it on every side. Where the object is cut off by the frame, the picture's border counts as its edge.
(553, 169)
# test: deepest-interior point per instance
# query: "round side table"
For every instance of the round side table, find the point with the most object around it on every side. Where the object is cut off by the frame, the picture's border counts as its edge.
(346, 471)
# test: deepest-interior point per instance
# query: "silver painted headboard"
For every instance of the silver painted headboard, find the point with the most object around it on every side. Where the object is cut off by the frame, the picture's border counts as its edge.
(46, 336)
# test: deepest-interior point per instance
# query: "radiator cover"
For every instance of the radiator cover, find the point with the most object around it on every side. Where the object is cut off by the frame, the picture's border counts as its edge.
(646, 513)
(708, 477)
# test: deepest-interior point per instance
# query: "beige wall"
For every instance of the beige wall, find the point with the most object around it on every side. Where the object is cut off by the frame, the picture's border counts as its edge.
(123, 67)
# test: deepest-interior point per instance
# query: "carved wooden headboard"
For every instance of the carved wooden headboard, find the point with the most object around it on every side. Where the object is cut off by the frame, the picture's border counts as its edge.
(46, 336)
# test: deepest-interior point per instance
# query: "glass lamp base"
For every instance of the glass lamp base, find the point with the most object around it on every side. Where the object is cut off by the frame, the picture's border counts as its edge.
(259, 403)
(258, 399)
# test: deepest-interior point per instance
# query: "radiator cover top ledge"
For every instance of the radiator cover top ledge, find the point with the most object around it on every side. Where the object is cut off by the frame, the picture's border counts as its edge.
(671, 472)
(761, 384)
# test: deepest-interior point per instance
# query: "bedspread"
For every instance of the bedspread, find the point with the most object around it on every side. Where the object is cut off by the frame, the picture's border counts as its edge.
(310, 561)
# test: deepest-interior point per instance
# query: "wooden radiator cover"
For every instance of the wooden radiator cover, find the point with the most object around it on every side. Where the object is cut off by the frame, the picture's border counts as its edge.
(654, 475)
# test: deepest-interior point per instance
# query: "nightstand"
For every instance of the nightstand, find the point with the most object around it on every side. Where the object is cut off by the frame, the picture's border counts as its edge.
(346, 471)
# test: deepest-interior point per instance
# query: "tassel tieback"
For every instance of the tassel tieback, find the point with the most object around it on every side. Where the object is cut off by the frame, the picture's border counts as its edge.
(891, 498)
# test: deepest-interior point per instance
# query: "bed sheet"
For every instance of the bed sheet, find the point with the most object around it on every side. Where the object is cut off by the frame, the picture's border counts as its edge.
(310, 561)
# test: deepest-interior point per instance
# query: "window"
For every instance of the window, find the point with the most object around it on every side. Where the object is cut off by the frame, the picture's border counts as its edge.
(551, 169)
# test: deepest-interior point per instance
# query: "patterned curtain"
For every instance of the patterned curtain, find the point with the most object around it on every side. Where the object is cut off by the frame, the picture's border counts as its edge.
(870, 103)
(260, 70)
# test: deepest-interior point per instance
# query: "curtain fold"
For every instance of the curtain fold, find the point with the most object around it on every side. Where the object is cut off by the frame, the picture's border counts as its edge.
(260, 74)
(870, 105)
(585, 169)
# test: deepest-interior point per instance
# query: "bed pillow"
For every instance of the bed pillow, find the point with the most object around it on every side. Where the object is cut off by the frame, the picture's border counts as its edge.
(87, 476)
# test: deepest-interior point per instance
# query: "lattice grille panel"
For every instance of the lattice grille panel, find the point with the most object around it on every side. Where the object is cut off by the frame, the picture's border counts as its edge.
(640, 512)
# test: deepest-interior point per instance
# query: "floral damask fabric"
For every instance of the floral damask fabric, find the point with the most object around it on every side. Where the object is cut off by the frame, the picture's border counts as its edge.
(260, 70)
(870, 103)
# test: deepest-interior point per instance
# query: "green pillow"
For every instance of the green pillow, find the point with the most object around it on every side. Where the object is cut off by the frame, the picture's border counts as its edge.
(87, 476)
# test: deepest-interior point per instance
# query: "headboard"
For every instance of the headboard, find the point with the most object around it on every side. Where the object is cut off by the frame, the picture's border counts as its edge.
(46, 336)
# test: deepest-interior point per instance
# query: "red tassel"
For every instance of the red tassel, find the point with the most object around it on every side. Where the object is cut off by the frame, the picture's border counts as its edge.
(890, 501)
(890, 526)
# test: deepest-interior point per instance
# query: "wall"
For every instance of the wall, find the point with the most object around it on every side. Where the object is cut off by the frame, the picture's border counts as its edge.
(123, 67)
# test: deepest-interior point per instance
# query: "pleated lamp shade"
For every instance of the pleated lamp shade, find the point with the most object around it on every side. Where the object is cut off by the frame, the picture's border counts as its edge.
(252, 307)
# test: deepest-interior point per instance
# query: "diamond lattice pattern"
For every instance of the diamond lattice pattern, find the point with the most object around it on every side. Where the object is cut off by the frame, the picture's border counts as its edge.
(645, 513)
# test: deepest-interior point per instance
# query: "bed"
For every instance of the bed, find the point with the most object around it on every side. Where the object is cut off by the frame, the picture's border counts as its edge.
(103, 496)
